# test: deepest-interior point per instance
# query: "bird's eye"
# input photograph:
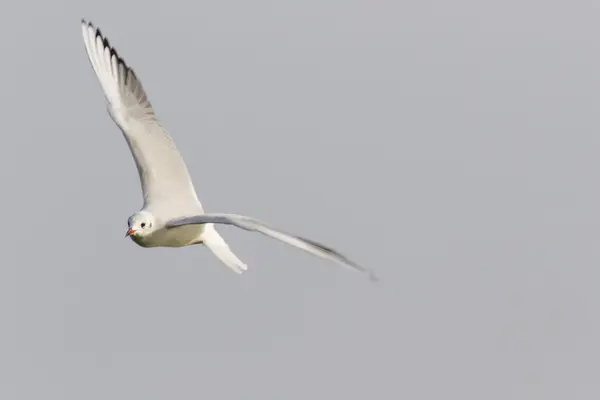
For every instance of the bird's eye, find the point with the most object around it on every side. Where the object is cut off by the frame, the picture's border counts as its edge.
(143, 225)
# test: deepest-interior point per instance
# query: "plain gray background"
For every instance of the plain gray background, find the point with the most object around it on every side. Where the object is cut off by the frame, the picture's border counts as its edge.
(450, 145)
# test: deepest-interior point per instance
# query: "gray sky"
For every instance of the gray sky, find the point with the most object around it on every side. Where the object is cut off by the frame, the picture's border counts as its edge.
(451, 146)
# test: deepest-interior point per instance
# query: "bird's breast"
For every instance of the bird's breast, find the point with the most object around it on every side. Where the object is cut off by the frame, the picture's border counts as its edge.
(173, 237)
(141, 241)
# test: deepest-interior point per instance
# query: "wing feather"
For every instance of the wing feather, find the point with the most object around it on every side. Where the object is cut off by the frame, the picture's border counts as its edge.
(252, 224)
(164, 177)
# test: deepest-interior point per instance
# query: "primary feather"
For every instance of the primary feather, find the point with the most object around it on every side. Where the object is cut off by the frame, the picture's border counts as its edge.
(253, 224)
(164, 177)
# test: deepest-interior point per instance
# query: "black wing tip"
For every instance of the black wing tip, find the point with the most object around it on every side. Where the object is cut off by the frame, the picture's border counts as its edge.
(89, 24)
(372, 276)
(107, 45)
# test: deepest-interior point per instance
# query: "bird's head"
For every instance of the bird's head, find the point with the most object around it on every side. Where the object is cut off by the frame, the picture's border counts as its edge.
(140, 224)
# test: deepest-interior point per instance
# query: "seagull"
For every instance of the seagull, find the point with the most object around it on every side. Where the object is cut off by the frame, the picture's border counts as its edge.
(172, 215)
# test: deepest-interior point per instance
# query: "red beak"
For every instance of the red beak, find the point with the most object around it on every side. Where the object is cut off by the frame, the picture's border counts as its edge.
(130, 232)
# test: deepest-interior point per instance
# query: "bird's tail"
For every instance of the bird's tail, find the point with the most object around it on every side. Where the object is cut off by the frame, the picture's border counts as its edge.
(217, 245)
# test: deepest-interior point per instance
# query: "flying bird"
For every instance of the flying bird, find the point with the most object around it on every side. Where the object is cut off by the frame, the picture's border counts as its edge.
(172, 215)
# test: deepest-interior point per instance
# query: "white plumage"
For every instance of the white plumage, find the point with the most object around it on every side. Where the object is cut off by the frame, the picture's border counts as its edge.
(172, 215)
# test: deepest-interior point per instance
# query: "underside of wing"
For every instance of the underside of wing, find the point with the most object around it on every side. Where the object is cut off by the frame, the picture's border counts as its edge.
(252, 224)
(122, 89)
(163, 174)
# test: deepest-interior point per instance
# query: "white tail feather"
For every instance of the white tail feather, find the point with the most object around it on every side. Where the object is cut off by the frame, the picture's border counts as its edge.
(217, 245)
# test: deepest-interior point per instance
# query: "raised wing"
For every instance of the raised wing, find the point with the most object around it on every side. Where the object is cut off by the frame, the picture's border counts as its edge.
(163, 174)
(252, 224)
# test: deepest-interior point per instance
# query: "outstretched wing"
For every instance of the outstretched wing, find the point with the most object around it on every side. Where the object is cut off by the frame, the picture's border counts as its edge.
(163, 174)
(252, 224)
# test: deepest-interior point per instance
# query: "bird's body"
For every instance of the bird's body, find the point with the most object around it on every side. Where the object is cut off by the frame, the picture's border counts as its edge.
(172, 215)
(176, 237)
